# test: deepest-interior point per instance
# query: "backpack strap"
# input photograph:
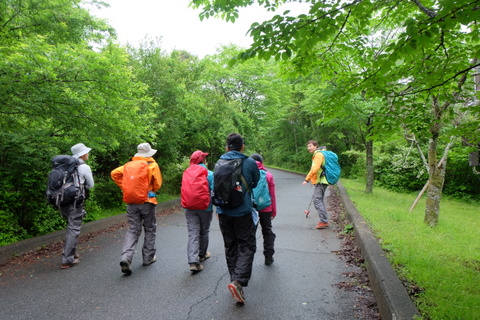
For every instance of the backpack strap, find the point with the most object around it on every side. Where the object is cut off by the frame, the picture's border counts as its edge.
(247, 186)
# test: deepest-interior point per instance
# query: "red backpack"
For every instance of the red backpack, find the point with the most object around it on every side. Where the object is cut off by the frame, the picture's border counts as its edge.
(135, 182)
(195, 190)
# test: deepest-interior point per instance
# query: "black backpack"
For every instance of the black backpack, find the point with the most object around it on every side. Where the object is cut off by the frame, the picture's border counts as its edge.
(227, 183)
(63, 186)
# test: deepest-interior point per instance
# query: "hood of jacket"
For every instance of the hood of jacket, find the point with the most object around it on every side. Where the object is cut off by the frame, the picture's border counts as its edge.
(149, 159)
(233, 155)
(260, 166)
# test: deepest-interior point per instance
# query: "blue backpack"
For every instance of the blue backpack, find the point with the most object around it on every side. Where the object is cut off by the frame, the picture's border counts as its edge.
(260, 192)
(331, 169)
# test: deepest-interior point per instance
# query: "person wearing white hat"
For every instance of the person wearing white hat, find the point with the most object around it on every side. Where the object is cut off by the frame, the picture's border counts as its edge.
(139, 180)
(75, 212)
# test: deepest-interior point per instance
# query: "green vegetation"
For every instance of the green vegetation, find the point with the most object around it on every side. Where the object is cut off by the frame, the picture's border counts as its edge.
(384, 65)
(64, 79)
(388, 86)
(385, 87)
(444, 262)
(106, 213)
(110, 212)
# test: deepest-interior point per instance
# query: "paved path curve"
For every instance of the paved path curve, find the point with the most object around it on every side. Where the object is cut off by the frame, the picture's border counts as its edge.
(298, 285)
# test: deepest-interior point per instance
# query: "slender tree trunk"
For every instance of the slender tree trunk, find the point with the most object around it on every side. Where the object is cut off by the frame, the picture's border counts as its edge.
(369, 157)
(436, 172)
(435, 185)
(370, 174)
(295, 138)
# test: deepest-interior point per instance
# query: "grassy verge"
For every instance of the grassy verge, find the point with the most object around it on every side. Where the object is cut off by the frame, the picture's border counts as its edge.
(444, 262)
(105, 213)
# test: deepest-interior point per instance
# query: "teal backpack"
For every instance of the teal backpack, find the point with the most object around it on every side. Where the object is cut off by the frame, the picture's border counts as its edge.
(331, 169)
(260, 192)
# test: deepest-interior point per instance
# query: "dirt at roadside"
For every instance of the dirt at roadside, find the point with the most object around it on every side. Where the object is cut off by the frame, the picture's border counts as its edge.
(365, 302)
(12, 266)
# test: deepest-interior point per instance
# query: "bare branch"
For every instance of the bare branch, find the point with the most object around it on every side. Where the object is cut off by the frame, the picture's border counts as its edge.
(337, 35)
(474, 65)
(460, 84)
(429, 12)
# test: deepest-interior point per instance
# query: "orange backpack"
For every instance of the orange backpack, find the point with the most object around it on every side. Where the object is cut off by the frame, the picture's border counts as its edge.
(135, 182)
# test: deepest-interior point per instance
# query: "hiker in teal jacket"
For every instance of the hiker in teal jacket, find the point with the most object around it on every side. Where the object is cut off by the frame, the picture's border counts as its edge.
(236, 224)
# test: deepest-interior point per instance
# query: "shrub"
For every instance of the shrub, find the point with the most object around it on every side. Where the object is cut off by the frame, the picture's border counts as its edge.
(11, 230)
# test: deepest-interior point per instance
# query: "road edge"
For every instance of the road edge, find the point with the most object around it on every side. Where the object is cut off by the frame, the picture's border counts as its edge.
(392, 297)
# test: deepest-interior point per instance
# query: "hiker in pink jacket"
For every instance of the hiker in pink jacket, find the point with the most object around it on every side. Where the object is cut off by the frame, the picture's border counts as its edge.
(267, 214)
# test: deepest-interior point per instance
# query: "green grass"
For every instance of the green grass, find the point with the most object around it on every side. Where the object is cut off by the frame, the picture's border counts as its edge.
(443, 261)
(105, 213)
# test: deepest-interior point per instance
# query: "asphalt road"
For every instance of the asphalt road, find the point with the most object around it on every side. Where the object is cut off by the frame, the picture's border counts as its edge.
(300, 284)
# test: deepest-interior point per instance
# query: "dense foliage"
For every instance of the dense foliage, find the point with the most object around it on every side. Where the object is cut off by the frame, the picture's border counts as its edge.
(417, 58)
(64, 80)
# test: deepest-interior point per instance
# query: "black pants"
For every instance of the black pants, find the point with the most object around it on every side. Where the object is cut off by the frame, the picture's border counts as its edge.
(267, 233)
(240, 246)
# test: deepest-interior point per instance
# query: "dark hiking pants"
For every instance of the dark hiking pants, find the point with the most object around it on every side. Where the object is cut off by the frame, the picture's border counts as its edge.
(267, 233)
(240, 245)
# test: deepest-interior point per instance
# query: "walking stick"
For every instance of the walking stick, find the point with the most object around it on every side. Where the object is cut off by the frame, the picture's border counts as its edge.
(308, 210)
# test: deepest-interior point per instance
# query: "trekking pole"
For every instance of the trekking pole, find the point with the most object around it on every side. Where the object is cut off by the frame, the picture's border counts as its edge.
(309, 205)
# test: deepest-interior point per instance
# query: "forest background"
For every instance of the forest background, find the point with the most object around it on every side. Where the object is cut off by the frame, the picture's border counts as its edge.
(396, 99)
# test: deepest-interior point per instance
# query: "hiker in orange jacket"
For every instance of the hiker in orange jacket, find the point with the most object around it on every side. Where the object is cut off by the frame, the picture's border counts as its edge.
(140, 211)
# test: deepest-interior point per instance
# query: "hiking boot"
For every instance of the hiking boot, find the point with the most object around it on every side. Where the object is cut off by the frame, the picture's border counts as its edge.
(147, 263)
(126, 267)
(237, 291)
(69, 265)
(268, 260)
(196, 267)
(205, 257)
(322, 225)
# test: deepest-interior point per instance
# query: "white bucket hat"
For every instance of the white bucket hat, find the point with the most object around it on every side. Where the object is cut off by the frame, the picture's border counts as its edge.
(79, 150)
(145, 150)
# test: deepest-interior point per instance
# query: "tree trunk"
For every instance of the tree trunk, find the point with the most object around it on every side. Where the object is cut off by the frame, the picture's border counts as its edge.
(435, 185)
(370, 175)
(369, 158)
(436, 171)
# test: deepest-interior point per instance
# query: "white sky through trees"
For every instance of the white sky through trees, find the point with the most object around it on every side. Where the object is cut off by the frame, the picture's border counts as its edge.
(179, 26)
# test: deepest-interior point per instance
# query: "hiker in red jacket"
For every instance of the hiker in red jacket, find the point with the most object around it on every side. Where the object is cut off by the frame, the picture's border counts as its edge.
(198, 209)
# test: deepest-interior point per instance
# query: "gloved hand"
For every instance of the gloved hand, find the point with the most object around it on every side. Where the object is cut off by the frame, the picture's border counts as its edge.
(151, 194)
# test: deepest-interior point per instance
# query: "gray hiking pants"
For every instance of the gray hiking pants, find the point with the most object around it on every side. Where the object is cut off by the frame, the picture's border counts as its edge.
(318, 195)
(198, 225)
(74, 216)
(140, 215)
